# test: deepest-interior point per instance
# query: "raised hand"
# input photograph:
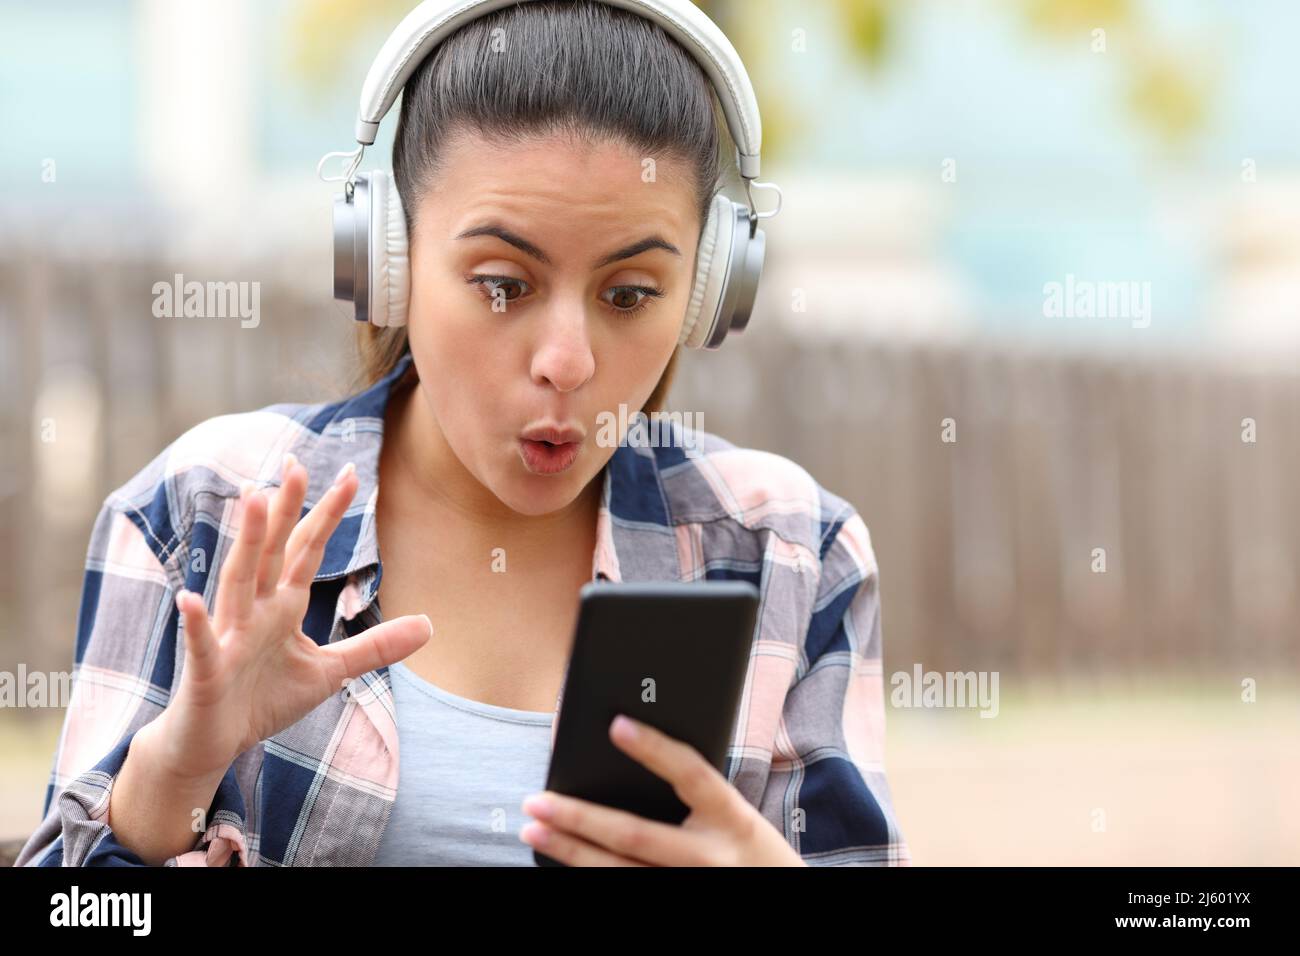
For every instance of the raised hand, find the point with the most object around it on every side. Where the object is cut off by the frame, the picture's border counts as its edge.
(250, 671)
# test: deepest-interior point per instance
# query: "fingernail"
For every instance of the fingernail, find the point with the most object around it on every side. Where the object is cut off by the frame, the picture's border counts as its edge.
(245, 489)
(625, 728)
(540, 807)
(428, 622)
(288, 462)
(344, 472)
(534, 834)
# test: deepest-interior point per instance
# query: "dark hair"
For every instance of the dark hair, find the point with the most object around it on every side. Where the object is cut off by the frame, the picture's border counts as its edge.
(571, 67)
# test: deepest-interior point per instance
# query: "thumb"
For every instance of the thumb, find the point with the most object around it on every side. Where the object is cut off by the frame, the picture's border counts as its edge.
(384, 644)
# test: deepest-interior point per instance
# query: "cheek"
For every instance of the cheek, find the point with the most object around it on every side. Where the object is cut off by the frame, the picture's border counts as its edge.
(448, 333)
(633, 365)
(462, 374)
(466, 380)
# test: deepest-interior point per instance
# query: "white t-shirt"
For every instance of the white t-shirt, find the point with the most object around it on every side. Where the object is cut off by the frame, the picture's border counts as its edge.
(464, 767)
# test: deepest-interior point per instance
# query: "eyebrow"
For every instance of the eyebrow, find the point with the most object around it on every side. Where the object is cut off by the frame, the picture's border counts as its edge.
(523, 245)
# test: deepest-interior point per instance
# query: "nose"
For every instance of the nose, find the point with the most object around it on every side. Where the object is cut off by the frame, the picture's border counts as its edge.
(563, 357)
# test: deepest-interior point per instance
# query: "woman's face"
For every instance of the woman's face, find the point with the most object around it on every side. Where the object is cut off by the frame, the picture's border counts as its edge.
(549, 283)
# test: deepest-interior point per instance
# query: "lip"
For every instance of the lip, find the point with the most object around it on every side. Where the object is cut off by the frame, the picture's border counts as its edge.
(555, 434)
(543, 459)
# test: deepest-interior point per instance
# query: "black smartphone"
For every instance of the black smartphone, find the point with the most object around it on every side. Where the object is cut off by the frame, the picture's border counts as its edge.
(672, 655)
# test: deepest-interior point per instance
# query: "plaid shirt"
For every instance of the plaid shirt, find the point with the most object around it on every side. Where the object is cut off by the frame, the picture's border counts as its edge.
(808, 747)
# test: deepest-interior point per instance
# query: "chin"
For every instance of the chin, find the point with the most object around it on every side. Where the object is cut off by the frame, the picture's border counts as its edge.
(534, 496)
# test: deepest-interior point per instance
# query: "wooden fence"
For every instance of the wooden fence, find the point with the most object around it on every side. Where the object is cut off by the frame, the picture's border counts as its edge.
(988, 544)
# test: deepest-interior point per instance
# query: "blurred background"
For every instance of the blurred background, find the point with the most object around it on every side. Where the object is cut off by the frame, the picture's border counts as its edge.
(1101, 509)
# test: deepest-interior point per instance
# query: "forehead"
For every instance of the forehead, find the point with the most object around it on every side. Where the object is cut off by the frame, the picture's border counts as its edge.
(559, 177)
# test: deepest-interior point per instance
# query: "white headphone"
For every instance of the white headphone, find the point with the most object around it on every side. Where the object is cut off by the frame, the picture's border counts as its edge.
(371, 268)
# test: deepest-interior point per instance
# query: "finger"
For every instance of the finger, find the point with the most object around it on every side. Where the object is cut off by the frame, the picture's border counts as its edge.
(569, 849)
(697, 783)
(618, 831)
(381, 645)
(286, 508)
(306, 544)
(234, 601)
(200, 642)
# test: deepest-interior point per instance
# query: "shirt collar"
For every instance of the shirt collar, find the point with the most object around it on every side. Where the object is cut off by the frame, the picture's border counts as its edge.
(636, 537)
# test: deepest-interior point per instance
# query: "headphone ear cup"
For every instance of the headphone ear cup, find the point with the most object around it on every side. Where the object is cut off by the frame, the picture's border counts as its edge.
(711, 268)
(390, 272)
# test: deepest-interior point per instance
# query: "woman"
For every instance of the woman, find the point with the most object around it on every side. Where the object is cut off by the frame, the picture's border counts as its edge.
(549, 280)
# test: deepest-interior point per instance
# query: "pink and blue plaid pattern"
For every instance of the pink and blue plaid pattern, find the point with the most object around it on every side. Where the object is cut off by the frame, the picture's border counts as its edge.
(808, 750)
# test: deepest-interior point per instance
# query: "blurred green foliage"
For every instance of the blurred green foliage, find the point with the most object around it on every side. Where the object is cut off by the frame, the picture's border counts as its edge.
(1166, 91)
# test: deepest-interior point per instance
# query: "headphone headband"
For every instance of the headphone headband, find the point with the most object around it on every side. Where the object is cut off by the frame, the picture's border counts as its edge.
(371, 248)
(424, 28)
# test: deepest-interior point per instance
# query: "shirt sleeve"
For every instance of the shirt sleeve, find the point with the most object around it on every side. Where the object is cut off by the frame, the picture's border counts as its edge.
(124, 661)
(839, 809)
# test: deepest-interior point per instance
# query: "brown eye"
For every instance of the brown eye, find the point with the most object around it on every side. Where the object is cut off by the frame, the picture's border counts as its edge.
(625, 299)
(491, 284)
(631, 299)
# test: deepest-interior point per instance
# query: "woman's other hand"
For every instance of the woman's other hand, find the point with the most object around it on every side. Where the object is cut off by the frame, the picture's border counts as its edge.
(250, 670)
(722, 829)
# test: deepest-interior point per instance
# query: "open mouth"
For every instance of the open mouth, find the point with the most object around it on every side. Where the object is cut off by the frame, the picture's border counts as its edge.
(546, 457)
